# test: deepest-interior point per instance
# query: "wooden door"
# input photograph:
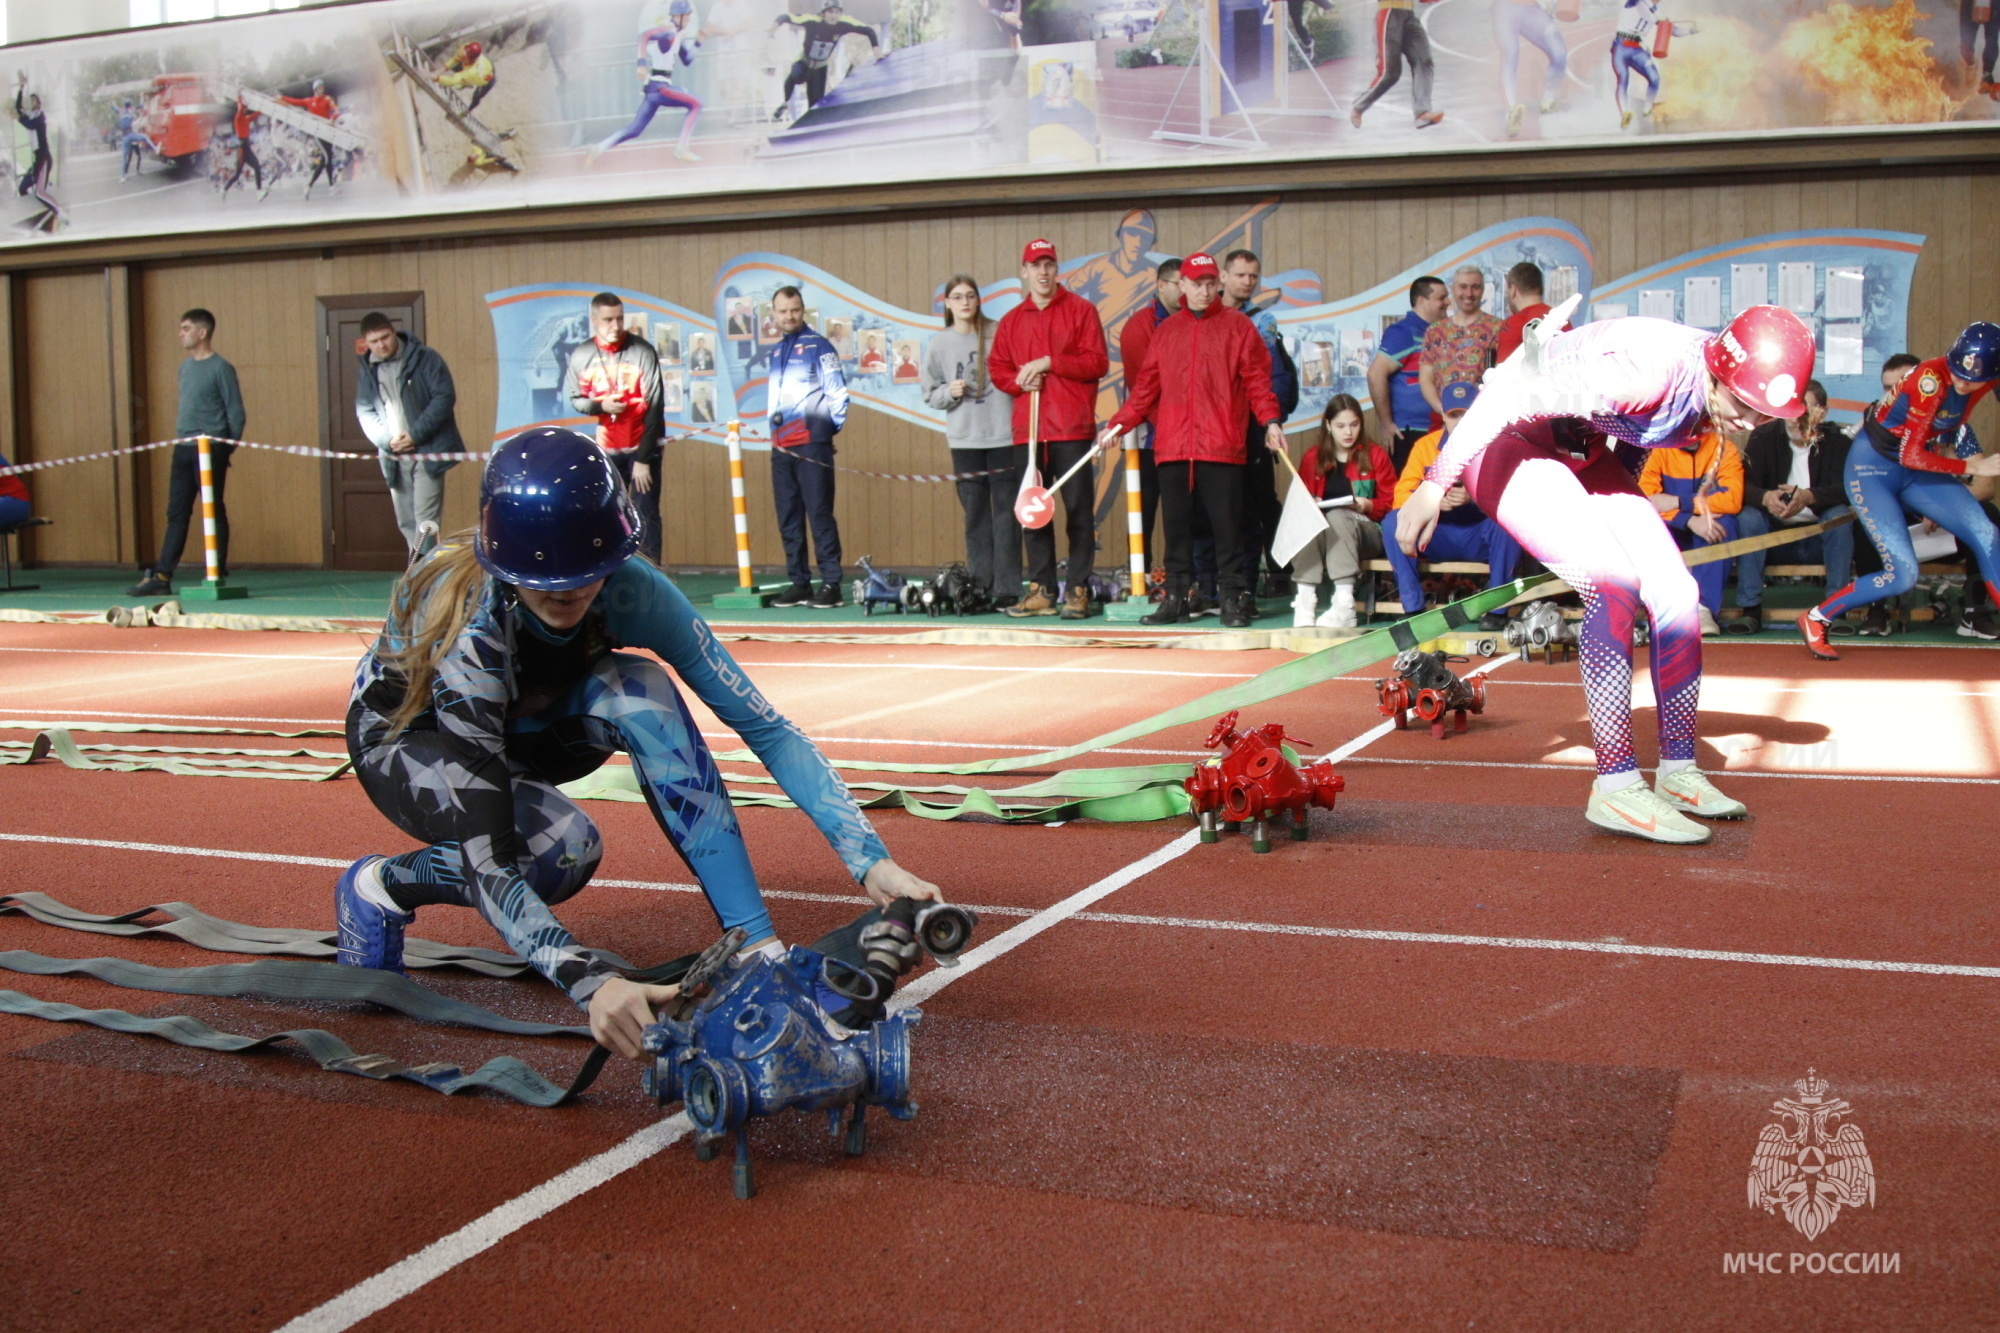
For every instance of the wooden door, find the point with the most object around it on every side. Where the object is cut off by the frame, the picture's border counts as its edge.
(359, 529)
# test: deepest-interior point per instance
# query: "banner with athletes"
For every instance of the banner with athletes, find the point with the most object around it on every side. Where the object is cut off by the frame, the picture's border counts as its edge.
(413, 107)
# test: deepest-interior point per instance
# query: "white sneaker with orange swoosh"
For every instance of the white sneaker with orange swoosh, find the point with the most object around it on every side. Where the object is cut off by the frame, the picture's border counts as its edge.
(1690, 792)
(1639, 812)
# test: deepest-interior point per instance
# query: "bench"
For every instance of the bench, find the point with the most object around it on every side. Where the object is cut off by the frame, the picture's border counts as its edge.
(1423, 567)
(6, 559)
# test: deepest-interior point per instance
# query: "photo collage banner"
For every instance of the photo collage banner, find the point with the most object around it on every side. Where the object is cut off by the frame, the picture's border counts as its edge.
(419, 107)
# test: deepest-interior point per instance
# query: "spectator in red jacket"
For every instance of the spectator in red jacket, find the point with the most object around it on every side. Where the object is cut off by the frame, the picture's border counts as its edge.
(1208, 376)
(1355, 483)
(1134, 344)
(1524, 300)
(13, 499)
(1051, 347)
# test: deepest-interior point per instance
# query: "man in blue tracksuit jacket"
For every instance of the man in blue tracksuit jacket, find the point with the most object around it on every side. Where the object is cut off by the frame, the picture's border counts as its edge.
(808, 397)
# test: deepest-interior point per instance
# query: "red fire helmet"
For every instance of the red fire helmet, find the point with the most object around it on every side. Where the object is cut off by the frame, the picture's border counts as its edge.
(472, 50)
(1764, 357)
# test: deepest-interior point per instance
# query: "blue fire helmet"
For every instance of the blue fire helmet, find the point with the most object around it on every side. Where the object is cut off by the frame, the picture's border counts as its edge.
(680, 7)
(1976, 354)
(553, 514)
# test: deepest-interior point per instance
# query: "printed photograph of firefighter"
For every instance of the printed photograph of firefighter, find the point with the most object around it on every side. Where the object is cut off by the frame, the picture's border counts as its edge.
(701, 354)
(907, 371)
(667, 341)
(471, 93)
(289, 129)
(702, 403)
(673, 392)
(840, 332)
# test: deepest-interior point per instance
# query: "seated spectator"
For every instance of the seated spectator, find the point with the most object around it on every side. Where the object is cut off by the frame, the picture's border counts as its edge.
(979, 428)
(1792, 478)
(1354, 481)
(1698, 489)
(1464, 530)
(13, 497)
(1206, 376)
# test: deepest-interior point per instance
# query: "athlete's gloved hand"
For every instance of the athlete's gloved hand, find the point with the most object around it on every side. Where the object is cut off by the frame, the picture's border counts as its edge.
(886, 881)
(621, 1011)
(1418, 518)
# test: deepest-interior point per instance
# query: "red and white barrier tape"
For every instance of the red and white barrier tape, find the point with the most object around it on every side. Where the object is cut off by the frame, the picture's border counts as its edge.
(304, 451)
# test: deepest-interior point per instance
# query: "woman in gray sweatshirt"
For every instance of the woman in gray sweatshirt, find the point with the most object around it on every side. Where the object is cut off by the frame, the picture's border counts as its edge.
(979, 427)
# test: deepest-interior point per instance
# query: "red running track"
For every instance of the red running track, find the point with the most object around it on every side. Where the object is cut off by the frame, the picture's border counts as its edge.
(1149, 1115)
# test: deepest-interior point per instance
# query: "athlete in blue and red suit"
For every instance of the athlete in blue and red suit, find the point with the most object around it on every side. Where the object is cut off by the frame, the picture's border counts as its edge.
(1632, 53)
(1922, 446)
(659, 48)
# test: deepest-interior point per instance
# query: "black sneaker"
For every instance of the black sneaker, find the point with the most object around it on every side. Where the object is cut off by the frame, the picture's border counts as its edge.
(1877, 621)
(1171, 611)
(152, 585)
(799, 594)
(1197, 603)
(1979, 624)
(826, 598)
(1239, 610)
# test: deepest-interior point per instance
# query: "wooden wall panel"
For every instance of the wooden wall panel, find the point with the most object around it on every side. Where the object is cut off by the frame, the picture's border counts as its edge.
(68, 412)
(1354, 239)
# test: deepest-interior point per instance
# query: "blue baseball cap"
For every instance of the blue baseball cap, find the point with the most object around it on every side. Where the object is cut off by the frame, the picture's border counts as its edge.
(1458, 395)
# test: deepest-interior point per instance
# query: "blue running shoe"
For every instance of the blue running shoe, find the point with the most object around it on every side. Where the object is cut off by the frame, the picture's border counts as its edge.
(370, 936)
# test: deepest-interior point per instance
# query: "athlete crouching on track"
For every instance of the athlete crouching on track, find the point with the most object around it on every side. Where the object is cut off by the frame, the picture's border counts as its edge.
(495, 679)
(1534, 451)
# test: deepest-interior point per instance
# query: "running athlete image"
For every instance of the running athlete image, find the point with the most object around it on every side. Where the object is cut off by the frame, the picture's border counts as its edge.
(1532, 21)
(1534, 451)
(822, 39)
(1923, 448)
(34, 182)
(498, 676)
(1400, 35)
(659, 50)
(1632, 53)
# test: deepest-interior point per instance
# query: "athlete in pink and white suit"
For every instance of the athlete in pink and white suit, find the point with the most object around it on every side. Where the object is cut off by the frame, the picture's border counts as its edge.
(1535, 452)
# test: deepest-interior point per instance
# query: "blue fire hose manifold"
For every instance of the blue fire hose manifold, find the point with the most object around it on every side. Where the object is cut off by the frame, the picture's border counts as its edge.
(753, 1036)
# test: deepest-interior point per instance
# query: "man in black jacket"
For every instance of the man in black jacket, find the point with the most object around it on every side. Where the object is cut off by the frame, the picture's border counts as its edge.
(1792, 479)
(405, 399)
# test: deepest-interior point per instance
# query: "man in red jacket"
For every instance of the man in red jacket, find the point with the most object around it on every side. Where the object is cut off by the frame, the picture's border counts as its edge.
(1207, 378)
(1052, 343)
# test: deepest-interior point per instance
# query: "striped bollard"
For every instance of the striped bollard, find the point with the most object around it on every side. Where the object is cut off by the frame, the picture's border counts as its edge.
(1136, 605)
(746, 594)
(213, 590)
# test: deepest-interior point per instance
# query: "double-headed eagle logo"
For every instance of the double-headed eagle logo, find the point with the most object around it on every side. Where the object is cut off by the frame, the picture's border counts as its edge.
(1805, 1166)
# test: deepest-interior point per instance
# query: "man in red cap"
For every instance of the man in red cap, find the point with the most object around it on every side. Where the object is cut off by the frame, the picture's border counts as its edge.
(1206, 380)
(1051, 346)
(1534, 453)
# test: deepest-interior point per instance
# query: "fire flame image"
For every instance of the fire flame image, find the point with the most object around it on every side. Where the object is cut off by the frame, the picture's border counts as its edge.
(1714, 77)
(1869, 65)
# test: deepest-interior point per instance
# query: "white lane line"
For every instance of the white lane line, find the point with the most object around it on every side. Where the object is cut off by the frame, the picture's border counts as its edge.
(1072, 908)
(972, 960)
(1388, 724)
(1002, 669)
(377, 1293)
(441, 1256)
(194, 717)
(1787, 773)
(178, 652)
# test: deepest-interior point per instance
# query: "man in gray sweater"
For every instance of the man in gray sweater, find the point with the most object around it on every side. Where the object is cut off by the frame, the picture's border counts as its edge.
(211, 405)
(979, 427)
